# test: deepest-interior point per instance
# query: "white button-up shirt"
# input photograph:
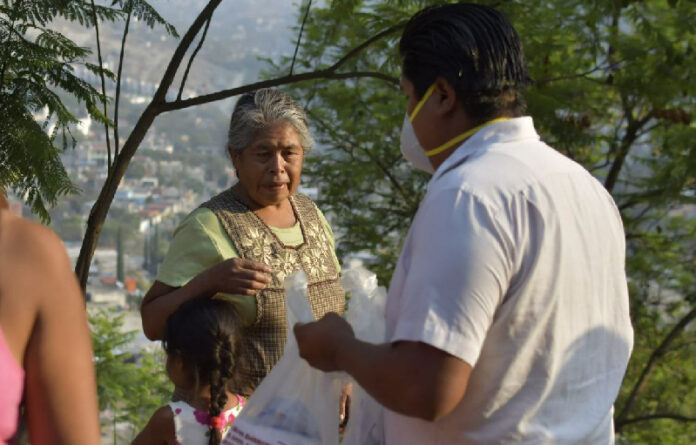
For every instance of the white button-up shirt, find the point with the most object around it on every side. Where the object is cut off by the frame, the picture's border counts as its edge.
(515, 264)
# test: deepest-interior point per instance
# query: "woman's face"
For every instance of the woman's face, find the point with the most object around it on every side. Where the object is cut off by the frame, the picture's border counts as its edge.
(269, 169)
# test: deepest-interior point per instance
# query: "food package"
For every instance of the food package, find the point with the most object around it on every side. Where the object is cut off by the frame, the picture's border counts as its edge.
(365, 314)
(295, 404)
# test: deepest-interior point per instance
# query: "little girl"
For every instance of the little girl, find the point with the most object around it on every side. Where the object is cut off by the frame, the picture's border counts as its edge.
(200, 340)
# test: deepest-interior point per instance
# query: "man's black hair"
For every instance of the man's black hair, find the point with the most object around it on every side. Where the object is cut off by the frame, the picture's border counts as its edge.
(476, 49)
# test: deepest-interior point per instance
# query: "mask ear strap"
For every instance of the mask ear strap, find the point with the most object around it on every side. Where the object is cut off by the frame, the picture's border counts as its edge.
(420, 104)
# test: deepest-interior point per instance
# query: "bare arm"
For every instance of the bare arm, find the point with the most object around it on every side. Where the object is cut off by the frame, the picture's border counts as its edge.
(60, 392)
(159, 430)
(411, 378)
(234, 276)
(161, 300)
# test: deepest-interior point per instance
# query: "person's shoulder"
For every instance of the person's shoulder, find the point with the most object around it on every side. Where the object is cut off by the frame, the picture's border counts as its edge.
(164, 416)
(160, 428)
(161, 424)
(205, 223)
(202, 215)
(30, 241)
(200, 218)
(30, 250)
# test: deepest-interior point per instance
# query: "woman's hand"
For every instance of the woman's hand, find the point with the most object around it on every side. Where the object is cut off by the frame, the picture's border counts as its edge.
(236, 276)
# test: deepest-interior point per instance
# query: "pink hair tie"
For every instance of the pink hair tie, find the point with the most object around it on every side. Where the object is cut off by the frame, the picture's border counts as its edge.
(217, 422)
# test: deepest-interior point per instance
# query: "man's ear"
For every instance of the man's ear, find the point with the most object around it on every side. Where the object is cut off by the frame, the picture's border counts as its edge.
(446, 96)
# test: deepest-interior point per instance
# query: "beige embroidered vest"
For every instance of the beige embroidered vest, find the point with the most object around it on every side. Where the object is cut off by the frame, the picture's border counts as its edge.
(262, 343)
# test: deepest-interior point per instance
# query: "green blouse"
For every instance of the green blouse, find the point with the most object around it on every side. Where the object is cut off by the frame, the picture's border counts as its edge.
(200, 242)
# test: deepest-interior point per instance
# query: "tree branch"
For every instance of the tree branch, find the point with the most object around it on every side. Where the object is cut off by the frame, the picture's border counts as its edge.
(578, 75)
(672, 193)
(328, 73)
(118, 77)
(193, 56)
(652, 361)
(671, 416)
(284, 80)
(350, 54)
(103, 85)
(97, 215)
(624, 148)
(299, 37)
(373, 74)
(168, 76)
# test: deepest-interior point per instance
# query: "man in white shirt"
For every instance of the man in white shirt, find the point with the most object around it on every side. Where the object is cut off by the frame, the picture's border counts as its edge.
(507, 315)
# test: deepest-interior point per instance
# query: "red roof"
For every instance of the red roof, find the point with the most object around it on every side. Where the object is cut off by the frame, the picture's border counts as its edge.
(108, 280)
(131, 285)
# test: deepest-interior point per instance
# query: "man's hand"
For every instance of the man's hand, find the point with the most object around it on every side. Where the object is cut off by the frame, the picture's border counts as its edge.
(408, 377)
(320, 341)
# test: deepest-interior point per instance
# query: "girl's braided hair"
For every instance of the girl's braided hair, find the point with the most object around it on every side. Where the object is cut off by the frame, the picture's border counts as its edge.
(204, 332)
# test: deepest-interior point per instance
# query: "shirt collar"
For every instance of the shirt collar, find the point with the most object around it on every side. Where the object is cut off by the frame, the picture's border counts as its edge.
(508, 130)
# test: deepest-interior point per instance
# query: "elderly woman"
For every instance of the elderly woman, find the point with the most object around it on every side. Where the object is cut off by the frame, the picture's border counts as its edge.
(241, 244)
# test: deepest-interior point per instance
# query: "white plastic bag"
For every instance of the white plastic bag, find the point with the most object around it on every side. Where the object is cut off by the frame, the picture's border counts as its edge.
(366, 315)
(295, 404)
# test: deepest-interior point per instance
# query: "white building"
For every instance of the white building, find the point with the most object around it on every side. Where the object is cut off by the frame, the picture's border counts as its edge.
(106, 296)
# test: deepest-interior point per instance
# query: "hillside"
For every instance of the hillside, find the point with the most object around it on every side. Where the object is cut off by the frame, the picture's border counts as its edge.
(242, 31)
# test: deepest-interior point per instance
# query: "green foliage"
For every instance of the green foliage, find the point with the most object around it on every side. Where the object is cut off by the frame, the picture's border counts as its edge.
(358, 165)
(130, 386)
(145, 13)
(614, 90)
(35, 62)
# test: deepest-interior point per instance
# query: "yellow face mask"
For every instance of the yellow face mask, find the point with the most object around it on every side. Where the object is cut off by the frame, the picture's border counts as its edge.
(456, 139)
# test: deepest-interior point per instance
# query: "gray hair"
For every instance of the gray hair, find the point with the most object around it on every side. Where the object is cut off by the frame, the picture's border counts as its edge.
(258, 109)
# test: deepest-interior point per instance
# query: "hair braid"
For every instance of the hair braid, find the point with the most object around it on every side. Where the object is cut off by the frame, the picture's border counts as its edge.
(205, 334)
(221, 373)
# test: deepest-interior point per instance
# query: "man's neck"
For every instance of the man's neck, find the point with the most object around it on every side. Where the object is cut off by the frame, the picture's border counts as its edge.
(457, 128)
(450, 129)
